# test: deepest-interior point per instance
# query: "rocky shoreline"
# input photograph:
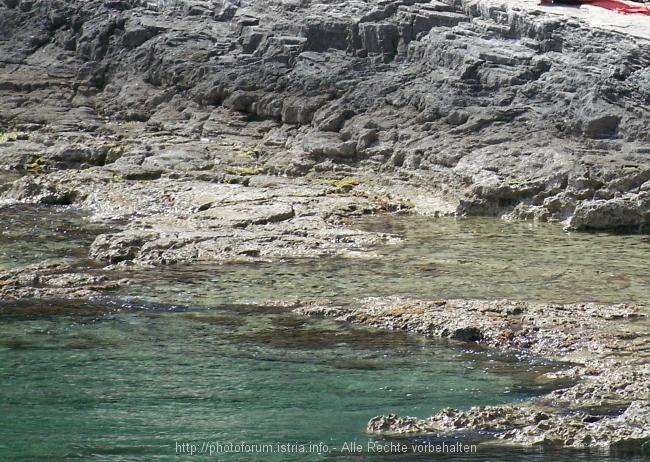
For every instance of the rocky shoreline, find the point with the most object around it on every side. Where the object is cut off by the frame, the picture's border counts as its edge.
(607, 345)
(459, 108)
(246, 130)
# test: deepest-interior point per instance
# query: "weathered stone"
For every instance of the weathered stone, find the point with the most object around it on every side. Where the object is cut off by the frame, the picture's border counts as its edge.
(54, 280)
(328, 145)
(622, 214)
(179, 158)
(466, 97)
(602, 126)
(299, 111)
(240, 216)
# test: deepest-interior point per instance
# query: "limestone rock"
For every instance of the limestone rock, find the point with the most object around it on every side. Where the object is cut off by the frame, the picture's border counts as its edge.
(464, 96)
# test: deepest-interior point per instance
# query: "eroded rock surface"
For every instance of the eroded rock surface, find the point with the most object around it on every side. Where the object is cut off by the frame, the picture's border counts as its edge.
(606, 343)
(168, 220)
(55, 280)
(499, 110)
(250, 129)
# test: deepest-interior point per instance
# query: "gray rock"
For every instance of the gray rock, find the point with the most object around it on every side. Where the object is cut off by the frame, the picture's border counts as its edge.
(179, 158)
(464, 96)
(328, 145)
(606, 375)
(621, 214)
(241, 216)
(299, 111)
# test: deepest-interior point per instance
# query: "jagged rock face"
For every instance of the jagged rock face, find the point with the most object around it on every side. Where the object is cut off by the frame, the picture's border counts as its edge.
(499, 109)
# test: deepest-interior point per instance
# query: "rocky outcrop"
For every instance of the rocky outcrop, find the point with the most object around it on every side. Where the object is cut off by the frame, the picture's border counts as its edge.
(629, 431)
(554, 330)
(627, 213)
(608, 355)
(221, 130)
(55, 280)
(500, 110)
(166, 221)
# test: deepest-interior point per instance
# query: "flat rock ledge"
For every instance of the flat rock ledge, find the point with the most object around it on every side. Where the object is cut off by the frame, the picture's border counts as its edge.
(628, 431)
(607, 407)
(197, 218)
(55, 280)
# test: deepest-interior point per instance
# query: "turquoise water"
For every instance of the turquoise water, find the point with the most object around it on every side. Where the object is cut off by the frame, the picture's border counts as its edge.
(128, 385)
(188, 357)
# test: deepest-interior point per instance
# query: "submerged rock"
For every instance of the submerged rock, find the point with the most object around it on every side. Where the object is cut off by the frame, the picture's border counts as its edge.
(55, 280)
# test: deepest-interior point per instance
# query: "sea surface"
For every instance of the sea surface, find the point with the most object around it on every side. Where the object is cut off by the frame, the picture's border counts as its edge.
(187, 360)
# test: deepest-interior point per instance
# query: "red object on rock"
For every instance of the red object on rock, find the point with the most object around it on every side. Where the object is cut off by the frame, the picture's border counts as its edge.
(622, 7)
(614, 5)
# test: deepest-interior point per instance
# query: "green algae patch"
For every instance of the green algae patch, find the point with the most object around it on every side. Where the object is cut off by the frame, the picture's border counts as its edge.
(36, 163)
(345, 185)
(8, 136)
(516, 182)
(243, 171)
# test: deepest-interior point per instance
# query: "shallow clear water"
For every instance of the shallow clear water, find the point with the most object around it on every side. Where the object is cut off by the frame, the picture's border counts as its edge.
(133, 383)
(181, 357)
(30, 234)
(437, 258)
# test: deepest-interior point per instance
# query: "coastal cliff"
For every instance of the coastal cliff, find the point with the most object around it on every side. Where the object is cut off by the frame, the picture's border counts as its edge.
(473, 107)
